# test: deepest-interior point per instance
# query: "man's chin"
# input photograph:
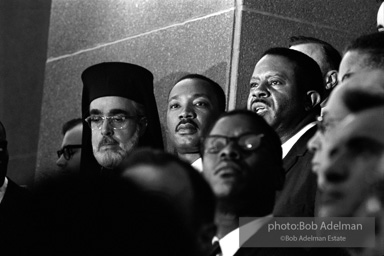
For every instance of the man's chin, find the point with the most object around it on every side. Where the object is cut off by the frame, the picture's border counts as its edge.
(109, 160)
(188, 144)
(330, 211)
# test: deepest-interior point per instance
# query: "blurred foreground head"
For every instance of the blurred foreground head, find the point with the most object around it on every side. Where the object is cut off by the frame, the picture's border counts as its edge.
(177, 204)
(354, 168)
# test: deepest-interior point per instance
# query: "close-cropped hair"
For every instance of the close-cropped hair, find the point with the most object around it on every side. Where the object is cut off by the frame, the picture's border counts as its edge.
(219, 92)
(371, 45)
(332, 55)
(307, 71)
(70, 125)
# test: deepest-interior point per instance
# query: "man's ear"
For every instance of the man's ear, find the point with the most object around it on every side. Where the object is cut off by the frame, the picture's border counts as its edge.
(313, 98)
(331, 80)
(143, 123)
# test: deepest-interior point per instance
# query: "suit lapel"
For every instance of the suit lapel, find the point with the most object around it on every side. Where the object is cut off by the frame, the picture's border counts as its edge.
(298, 150)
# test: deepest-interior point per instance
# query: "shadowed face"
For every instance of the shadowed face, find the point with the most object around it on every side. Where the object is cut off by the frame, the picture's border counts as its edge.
(111, 146)
(230, 168)
(71, 137)
(335, 111)
(345, 181)
(191, 106)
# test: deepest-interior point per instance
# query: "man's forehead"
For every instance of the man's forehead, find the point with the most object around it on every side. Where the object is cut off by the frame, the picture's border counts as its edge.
(353, 62)
(364, 124)
(236, 125)
(109, 103)
(192, 86)
(273, 63)
(372, 80)
(73, 136)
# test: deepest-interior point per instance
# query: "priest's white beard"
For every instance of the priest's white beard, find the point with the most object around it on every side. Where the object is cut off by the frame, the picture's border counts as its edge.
(110, 159)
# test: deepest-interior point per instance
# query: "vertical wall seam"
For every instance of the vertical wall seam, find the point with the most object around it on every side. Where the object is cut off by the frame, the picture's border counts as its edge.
(235, 56)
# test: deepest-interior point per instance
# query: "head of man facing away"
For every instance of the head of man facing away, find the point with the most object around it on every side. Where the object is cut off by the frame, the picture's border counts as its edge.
(120, 113)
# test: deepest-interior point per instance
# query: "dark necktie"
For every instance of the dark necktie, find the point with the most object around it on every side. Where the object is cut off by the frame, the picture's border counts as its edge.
(216, 250)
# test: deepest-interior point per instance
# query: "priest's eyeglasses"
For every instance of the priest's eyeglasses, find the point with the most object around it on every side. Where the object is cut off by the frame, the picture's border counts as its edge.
(117, 122)
(67, 151)
(247, 142)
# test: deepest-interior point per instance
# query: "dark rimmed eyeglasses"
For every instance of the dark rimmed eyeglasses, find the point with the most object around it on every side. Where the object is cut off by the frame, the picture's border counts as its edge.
(117, 122)
(247, 142)
(67, 151)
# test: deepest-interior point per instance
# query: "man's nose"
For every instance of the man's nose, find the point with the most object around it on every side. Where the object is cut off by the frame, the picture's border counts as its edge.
(106, 128)
(61, 162)
(230, 151)
(314, 144)
(261, 91)
(187, 112)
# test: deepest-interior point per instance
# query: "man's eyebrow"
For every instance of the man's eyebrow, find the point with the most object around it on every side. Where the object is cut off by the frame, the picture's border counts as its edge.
(117, 111)
(114, 111)
(202, 95)
(196, 95)
(269, 75)
(95, 112)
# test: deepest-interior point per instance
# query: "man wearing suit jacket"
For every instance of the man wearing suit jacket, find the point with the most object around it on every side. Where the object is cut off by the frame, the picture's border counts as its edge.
(242, 164)
(285, 89)
(13, 206)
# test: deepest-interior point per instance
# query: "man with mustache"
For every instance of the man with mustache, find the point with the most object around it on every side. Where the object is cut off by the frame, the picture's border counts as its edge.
(285, 89)
(120, 110)
(193, 102)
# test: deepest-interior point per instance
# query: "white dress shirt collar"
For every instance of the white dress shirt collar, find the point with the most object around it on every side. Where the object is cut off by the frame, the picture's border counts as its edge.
(287, 146)
(230, 243)
(3, 188)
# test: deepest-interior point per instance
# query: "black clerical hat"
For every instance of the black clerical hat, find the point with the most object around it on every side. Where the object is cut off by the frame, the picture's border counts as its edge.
(117, 79)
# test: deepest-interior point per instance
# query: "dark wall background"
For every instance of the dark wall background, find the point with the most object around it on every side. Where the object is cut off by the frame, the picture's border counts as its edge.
(45, 45)
(23, 51)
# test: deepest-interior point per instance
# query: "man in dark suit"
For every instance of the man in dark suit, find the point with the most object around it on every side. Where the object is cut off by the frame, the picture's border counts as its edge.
(13, 206)
(242, 163)
(193, 102)
(285, 89)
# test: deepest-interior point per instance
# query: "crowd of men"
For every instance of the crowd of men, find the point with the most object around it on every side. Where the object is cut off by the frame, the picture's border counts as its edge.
(310, 142)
